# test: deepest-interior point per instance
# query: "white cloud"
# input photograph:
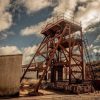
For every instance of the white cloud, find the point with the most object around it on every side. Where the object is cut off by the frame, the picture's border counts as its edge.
(28, 53)
(5, 17)
(30, 50)
(89, 14)
(35, 5)
(64, 5)
(95, 51)
(98, 38)
(5, 21)
(97, 47)
(35, 29)
(86, 14)
(3, 5)
(9, 50)
(31, 30)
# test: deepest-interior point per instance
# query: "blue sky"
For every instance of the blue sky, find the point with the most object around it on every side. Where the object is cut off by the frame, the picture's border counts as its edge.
(22, 20)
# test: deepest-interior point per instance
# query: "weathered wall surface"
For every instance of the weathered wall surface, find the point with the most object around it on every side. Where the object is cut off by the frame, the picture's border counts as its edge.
(10, 73)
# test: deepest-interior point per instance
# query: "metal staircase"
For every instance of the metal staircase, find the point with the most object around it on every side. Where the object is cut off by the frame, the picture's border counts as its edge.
(88, 58)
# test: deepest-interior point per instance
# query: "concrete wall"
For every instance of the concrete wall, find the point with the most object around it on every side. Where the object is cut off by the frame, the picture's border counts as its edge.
(10, 73)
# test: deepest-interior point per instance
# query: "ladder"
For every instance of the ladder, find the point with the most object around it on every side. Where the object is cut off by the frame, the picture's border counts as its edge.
(88, 58)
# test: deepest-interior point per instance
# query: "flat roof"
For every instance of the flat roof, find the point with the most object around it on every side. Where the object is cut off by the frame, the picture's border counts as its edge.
(11, 55)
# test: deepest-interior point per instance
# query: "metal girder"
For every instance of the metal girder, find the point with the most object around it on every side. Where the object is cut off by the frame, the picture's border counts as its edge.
(55, 54)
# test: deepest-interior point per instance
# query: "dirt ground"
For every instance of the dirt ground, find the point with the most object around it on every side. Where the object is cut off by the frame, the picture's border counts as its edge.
(52, 95)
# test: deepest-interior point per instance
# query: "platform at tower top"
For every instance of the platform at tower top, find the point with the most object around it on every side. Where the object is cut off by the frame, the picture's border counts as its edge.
(59, 22)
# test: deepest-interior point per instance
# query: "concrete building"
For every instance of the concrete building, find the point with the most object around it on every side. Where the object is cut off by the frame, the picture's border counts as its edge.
(10, 73)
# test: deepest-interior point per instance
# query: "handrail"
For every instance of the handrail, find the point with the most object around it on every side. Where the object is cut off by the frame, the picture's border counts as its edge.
(54, 19)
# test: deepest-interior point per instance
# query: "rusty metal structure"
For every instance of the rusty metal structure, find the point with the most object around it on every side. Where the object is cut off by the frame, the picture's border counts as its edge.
(96, 69)
(61, 48)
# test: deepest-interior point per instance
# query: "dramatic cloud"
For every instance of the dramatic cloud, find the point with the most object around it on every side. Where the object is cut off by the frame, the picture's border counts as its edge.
(64, 5)
(31, 30)
(84, 11)
(3, 5)
(28, 53)
(34, 5)
(96, 52)
(35, 29)
(93, 51)
(96, 49)
(97, 40)
(5, 18)
(88, 14)
(9, 50)
(5, 21)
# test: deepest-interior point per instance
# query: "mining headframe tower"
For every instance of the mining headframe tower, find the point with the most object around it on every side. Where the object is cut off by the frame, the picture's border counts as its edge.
(62, 51)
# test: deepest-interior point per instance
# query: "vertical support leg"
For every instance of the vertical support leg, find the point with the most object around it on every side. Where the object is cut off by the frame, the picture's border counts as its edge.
(49, 61)
(69, 55)
(37, 74)
(82, 63)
